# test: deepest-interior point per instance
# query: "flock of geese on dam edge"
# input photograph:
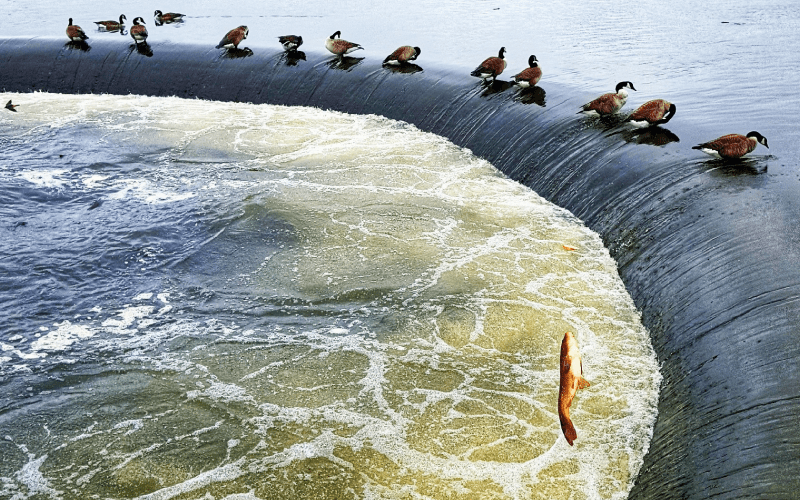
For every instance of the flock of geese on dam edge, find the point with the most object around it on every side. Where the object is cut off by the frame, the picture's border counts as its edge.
(650, 114)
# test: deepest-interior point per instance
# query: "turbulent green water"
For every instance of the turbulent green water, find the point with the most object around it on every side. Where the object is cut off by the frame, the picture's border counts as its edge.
(210, 300)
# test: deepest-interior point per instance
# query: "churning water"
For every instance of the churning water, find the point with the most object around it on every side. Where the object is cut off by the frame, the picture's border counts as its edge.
(219, 300)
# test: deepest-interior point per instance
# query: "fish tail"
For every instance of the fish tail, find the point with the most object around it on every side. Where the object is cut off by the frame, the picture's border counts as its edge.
(568, 429)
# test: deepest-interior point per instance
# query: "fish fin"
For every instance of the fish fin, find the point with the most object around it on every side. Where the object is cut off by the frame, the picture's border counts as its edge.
(583, 383)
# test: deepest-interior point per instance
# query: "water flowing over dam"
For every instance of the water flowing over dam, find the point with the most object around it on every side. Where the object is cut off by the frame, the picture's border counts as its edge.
(708, 255)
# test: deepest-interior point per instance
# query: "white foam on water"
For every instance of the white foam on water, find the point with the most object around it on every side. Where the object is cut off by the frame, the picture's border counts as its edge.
(69, 335)
(241, 496)
(219, 391)
(32, 478)
(94, 181)
(432, 372)
(134, 425)
(50, 178)
(62, 337)
(127, 317)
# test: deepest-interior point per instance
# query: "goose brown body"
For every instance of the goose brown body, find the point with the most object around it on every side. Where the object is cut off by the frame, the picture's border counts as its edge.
(167, 17)
(290, 42)
(112, 25)
(571, 379)
(655, 112)
(402, 55)
(530, 76)
(733, 145)
(491, 66)
(339, 46)
(608, 104)
(233, 38)
(138, 31)
(75, 33)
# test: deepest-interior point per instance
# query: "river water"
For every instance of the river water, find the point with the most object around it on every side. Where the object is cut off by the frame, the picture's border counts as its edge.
(229, 300)
(298, 301)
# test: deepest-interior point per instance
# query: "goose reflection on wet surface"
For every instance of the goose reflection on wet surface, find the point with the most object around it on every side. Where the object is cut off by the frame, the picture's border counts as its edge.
(532, 95)
(653, 136)
(82, 45)
(736, 167)
(143, 48)
(407, 68)
(605, 123)
(494, 87)
(237, 53)
(344, 63)
(162, 22)
(178, 22)
(293, 57)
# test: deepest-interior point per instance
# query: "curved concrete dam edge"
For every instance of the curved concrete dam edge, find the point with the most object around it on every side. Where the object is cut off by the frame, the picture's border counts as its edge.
(717, 303)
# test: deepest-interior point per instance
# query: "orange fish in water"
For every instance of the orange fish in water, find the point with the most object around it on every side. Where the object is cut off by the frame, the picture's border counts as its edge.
(571, 380)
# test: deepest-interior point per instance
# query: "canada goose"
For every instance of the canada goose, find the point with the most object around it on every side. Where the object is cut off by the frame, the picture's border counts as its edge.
(112, 25)
(655, 112)
(233, 38)
(75, 33)
(138, 32)
(290, 42)
(402, 55)
(529, 76)
(608, 104)
(492, 66)
(732, 145)
(340, 47)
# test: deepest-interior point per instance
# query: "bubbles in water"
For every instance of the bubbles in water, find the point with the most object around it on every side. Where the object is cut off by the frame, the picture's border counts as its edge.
(352, 309)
